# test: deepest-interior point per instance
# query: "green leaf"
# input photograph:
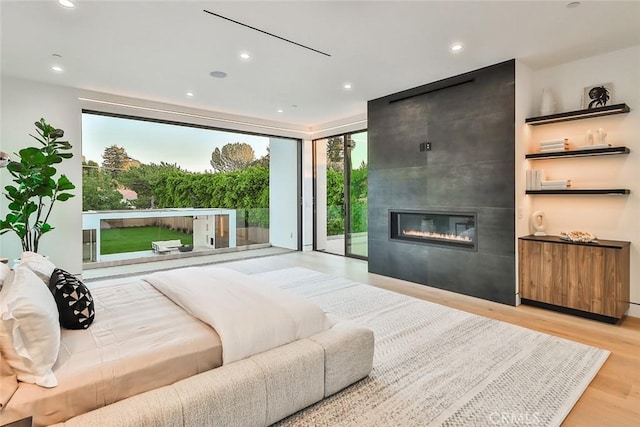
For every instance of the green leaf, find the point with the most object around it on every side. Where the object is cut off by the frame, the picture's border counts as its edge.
(55, 158)
(45, 227)
(15, 167)
(64, 145)
(32, 155)
(63, 197)
(48, 171)
(64, 183)
(30, 208)
(15, 206)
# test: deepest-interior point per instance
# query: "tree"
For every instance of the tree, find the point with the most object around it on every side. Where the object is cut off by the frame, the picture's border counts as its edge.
(142, 179)
(335, 154)
(100, 191)
(264, 160)
(90, 167)
(232, 157)
(115, 158)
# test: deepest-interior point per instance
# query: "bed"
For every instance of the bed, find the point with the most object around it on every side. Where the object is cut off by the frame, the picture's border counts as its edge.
(146, 360)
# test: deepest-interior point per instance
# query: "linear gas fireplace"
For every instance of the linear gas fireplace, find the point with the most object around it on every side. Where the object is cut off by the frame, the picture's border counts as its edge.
(439, 228)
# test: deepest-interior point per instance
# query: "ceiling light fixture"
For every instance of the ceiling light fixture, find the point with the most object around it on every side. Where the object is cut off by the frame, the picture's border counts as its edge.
(190, 94)
(573, 4)
(347, 86)
(218, 74)
(57, 68)
(245, 55)
(456, 47)
(280, 110)
(66, 3)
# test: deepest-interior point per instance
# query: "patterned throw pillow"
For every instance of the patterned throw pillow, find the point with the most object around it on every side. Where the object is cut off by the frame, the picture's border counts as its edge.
(73, 299)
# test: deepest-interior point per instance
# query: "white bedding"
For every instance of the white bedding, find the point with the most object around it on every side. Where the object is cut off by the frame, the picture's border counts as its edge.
(249, 315)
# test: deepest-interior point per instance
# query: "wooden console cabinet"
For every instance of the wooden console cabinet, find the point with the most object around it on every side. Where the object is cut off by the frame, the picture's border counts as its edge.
(589, 279)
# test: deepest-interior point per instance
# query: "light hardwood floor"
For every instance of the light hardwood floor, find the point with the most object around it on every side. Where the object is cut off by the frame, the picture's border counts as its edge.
(612, 398)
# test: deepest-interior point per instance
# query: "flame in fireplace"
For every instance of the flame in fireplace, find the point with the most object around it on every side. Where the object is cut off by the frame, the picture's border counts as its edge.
(440, 236)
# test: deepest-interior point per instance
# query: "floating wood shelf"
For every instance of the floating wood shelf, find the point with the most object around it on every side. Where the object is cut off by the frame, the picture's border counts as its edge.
(579, 114)
(579, 153)
(605, 191)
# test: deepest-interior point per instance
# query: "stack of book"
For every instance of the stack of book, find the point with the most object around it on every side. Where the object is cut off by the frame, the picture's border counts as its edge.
(534, 179)
(554, 145)
(558, 184)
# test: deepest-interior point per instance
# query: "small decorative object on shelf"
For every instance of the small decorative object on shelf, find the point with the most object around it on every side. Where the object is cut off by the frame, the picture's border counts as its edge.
(548, 104)
(578, 236)
(597, 95)
(537, 223)
(588, 138)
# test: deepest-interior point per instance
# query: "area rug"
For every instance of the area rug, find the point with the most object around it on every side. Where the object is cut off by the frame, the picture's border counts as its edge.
(437, 366)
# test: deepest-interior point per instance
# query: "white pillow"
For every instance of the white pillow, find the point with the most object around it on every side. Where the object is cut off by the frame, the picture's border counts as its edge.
(38, 264)
(29, 328)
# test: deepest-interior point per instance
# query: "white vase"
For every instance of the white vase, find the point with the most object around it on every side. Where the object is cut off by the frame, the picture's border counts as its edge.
(537, 223)
(548, 104)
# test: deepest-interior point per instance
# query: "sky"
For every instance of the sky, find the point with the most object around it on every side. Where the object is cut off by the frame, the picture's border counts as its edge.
(151, 142)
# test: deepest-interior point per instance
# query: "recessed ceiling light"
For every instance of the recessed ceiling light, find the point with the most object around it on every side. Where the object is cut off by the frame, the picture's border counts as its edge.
(245, 55)
(218, 74)
(57, 68)
(573, 4)
(280, 110)
(190, 94)
(456, 47)
(347, 86)
(66, 3)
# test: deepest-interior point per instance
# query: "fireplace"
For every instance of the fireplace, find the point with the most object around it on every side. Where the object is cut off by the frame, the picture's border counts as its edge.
(455, 229)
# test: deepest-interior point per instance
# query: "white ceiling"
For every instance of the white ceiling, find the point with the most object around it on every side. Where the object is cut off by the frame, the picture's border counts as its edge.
(159, 50)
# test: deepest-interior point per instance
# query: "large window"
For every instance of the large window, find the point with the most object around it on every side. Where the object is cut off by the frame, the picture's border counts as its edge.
(153, 188)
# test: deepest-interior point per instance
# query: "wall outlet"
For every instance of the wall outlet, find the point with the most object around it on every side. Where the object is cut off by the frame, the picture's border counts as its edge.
(427, 146)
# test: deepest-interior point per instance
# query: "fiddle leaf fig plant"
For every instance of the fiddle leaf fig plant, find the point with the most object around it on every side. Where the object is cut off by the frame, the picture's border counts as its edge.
(36, 187)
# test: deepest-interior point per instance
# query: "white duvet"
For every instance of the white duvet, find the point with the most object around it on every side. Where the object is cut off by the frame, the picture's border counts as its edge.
(249, 315)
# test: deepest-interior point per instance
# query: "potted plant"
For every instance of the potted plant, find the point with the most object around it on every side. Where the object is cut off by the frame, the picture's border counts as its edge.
(36, 187)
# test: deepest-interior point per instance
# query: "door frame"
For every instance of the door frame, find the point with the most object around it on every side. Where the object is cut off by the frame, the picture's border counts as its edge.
(347, 195)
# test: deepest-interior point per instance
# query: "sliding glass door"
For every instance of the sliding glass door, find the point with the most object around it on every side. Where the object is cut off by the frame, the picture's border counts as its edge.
(356, 195)
(340, 195)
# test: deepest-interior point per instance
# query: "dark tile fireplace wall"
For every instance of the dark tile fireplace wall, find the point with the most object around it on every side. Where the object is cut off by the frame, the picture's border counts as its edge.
(469, 121)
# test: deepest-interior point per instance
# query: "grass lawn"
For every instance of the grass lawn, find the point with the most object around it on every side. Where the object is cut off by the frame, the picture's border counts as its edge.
(133, 239)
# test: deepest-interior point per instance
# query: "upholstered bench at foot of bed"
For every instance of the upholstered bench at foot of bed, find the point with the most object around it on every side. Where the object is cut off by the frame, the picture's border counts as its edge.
(256, 391)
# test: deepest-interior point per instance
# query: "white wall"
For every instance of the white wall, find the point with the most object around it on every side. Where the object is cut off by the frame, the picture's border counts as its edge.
(283, 193)
(608, 217)
(23, 103)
